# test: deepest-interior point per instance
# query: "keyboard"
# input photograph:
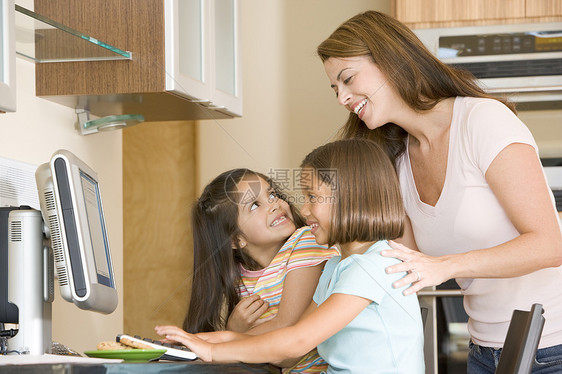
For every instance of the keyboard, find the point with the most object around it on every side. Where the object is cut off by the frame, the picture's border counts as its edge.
(173, 352)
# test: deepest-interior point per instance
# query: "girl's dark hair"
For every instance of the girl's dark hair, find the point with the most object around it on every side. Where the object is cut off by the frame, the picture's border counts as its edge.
(420, 78)
(216, 271)
(365, 190)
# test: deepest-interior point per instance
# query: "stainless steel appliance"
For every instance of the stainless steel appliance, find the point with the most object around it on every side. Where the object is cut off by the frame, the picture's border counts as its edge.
(523, 61)
(553, 172)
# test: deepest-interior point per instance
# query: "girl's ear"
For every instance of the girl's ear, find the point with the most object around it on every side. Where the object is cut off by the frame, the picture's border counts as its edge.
(241, 243)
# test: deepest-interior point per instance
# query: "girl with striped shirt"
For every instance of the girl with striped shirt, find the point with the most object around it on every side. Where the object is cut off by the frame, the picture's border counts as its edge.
(256, 264)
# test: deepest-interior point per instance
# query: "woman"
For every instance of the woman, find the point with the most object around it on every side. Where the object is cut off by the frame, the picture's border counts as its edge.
(471, 179)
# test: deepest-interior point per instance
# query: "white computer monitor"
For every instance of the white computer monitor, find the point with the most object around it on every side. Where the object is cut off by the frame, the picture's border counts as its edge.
(71, 206)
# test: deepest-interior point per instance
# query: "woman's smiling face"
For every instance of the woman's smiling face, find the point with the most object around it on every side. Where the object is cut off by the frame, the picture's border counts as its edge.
(362, 88)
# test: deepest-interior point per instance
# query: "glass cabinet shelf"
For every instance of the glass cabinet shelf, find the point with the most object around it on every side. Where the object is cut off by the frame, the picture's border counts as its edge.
(40, 39)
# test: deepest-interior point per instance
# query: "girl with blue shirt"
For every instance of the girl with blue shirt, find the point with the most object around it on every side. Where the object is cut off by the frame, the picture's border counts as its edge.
(360, 323)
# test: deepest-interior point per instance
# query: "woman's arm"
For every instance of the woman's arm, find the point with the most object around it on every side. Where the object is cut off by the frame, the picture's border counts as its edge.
(278, 345)
(516, 178)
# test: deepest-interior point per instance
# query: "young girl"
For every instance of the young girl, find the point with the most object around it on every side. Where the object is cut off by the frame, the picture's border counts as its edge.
(358, 320)
(254, 261)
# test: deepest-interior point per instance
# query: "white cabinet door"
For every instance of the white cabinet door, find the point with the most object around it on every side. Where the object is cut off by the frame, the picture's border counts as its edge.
(226, 56)
(202, 53)
(7, 56)
(187, 52)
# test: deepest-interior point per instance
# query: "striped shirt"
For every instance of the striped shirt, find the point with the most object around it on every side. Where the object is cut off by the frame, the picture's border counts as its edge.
(299, 251)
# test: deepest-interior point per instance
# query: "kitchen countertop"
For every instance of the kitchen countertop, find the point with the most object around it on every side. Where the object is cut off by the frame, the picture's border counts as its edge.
(71, 364)
(166, 367)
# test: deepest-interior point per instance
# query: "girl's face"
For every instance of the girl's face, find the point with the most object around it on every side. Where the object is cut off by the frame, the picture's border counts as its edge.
(362, 88)
(264, 219)
(317, 208)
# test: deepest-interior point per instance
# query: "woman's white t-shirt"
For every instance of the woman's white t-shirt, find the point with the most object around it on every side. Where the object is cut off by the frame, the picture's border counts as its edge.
(468, 216)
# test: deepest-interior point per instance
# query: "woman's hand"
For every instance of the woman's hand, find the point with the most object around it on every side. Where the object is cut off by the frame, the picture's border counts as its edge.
(201, 347)
(423, 270)
(246, 314)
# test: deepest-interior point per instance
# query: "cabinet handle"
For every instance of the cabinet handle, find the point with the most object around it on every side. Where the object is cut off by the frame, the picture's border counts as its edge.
(208, 104)
(215, 107)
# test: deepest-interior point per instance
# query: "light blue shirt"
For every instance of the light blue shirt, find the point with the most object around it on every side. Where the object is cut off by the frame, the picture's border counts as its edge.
(387, 336)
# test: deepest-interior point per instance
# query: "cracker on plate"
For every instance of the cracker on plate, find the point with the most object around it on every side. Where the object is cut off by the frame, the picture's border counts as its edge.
(111, 346)
(134, 344)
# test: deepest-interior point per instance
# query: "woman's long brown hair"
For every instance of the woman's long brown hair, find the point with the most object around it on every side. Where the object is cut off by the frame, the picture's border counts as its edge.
(420, 78)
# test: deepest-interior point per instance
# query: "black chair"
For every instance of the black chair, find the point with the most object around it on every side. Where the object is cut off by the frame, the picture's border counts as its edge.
(522, 340)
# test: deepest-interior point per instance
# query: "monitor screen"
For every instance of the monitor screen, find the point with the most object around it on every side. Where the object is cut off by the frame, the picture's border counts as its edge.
(98, 235)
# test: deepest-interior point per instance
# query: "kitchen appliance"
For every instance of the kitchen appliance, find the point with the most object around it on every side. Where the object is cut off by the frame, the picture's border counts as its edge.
(553, 172)
(522, 61)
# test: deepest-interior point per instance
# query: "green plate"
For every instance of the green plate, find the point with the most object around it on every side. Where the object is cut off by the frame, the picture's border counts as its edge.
(129, 355)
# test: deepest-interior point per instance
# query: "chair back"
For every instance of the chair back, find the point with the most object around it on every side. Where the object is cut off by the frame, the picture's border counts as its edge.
(522, 340)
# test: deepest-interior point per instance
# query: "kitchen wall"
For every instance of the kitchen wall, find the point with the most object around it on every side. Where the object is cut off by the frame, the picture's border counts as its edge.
(289, 107)
(160, 158)
(32, 134)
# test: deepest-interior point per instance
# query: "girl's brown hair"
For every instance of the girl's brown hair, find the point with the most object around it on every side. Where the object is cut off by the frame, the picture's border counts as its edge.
(366, 193)
(418, 76)
(216, 271)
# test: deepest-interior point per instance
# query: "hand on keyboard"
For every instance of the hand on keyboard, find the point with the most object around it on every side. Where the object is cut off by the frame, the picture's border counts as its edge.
(173, 352)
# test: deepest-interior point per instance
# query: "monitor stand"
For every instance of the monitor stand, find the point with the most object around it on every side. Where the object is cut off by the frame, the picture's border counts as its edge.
(30, 282)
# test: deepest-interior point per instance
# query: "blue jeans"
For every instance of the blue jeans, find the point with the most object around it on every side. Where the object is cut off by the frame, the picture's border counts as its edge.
(484, 360)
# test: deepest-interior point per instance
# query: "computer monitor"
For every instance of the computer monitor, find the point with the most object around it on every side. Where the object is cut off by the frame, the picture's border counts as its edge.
(71, 206)
(71, 216)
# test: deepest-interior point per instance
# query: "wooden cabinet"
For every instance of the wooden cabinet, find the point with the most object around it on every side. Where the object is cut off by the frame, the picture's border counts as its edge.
(543, 8)
(455, 13)
(154, 32)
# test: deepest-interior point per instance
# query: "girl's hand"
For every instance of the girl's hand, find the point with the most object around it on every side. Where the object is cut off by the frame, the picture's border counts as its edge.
(196, 344)
(423, 270)
(246, 314)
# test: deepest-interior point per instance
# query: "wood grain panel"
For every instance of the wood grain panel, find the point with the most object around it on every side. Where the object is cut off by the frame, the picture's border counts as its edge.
(458, 10)
(136, 26)
(426, 25)
(158, 190)
(421, 14)
(543, 8)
